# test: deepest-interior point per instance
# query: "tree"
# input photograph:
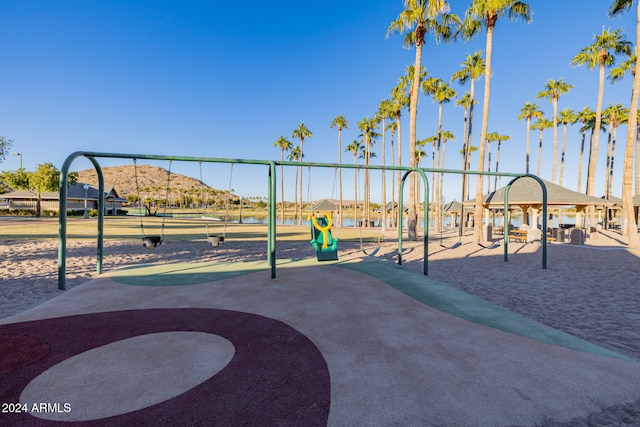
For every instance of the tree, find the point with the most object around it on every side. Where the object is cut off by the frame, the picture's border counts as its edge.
(419, 18)
(567, 117)
(615, 115)
(46, 178)
(368, 128)
(355, 148)
(499, 138)
(301, 132)
(553, 90)
(442, 93)
(493, 136)
(385, 111)
(341, 123)
(473, 67)
(5, 146)
(541, 124)
(486, 13)
(528, 112)
(296, 156)
(285, 145)
(585, 116)
(400, 101)
(393, 126)
(601, 54)
(618, 7)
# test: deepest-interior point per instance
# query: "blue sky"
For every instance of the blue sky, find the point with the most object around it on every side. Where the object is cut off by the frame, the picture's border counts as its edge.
(226, 79)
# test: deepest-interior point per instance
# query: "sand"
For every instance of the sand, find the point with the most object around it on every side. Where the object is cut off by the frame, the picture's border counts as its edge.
(589, 291)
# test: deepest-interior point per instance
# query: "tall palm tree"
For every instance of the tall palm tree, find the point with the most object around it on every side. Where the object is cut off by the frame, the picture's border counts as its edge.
(355, 148)
(602, 54)
(616, 74)
(420, 154)
(400, 102)
(618, 7)
(473, 67)
(442, 93)
(541, 124)
(368, 128)
(499, 138)
(485, 13)
(419, 18)
(393, 126)
(385, 111)
(584, 116)
(284, 144)
(529, 111)
(567, 117)
(615, 115)
(492, 136)
(296, 156)
(341, 123)
(552, 90)
(301, 132)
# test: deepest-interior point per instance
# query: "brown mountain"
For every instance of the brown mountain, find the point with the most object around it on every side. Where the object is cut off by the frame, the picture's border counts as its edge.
(150, 179)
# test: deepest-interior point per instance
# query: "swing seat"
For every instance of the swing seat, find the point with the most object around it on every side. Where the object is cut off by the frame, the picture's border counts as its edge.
(151, 242)
(215, 240)
(455, 245)
(493, 245)
(373, 253)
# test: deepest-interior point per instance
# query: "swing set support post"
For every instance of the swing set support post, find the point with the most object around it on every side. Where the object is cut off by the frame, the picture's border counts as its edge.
(425, 238)
(62, 217)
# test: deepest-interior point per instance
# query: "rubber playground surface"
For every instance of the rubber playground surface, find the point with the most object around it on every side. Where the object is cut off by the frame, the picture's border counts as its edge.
(335, 343)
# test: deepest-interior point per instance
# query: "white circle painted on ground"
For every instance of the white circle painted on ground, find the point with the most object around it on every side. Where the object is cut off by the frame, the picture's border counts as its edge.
(127, 375)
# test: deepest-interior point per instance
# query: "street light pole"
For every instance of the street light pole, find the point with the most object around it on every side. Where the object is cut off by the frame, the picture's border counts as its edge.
(86, 190)
(18, 154)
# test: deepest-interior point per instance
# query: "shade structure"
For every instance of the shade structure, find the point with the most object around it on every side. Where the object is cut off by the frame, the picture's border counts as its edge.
(324, 205)
(527, 191)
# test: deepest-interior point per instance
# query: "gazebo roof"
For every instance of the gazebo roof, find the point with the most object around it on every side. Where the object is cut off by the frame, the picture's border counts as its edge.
(452, 207)
(527, 191)
(324, 205)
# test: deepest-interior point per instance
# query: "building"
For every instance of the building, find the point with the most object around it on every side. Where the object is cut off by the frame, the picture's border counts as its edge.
(50, 201)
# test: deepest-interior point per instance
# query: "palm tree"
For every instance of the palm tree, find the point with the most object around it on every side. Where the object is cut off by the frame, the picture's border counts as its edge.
(385, 111)
(295, 156)
(585, 116)
(615, 115)
(616, 74)
(301, 132)
(528, 112)
(499, 138)
(601, 54)
(420, 154)
(567, 117)
(473, 68)
(368, 128)
(442, 93)
(393, 126)
(418, 18)
(341, 123)
(493, 136)
(486, 13)
(355, 148)
(618, 7)
(284, 144)
(541, 124)
(400, 101)
(553, 90)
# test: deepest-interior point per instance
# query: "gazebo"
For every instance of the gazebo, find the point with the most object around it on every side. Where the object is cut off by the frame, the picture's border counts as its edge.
(526, 194)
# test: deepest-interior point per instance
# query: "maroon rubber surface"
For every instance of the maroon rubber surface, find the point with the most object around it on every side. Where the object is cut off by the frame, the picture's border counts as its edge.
(277, 376)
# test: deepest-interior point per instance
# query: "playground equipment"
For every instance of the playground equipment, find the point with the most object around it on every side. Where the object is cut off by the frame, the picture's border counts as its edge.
(151, 242)
(271, 185)
(321, 238)
(216, 239)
